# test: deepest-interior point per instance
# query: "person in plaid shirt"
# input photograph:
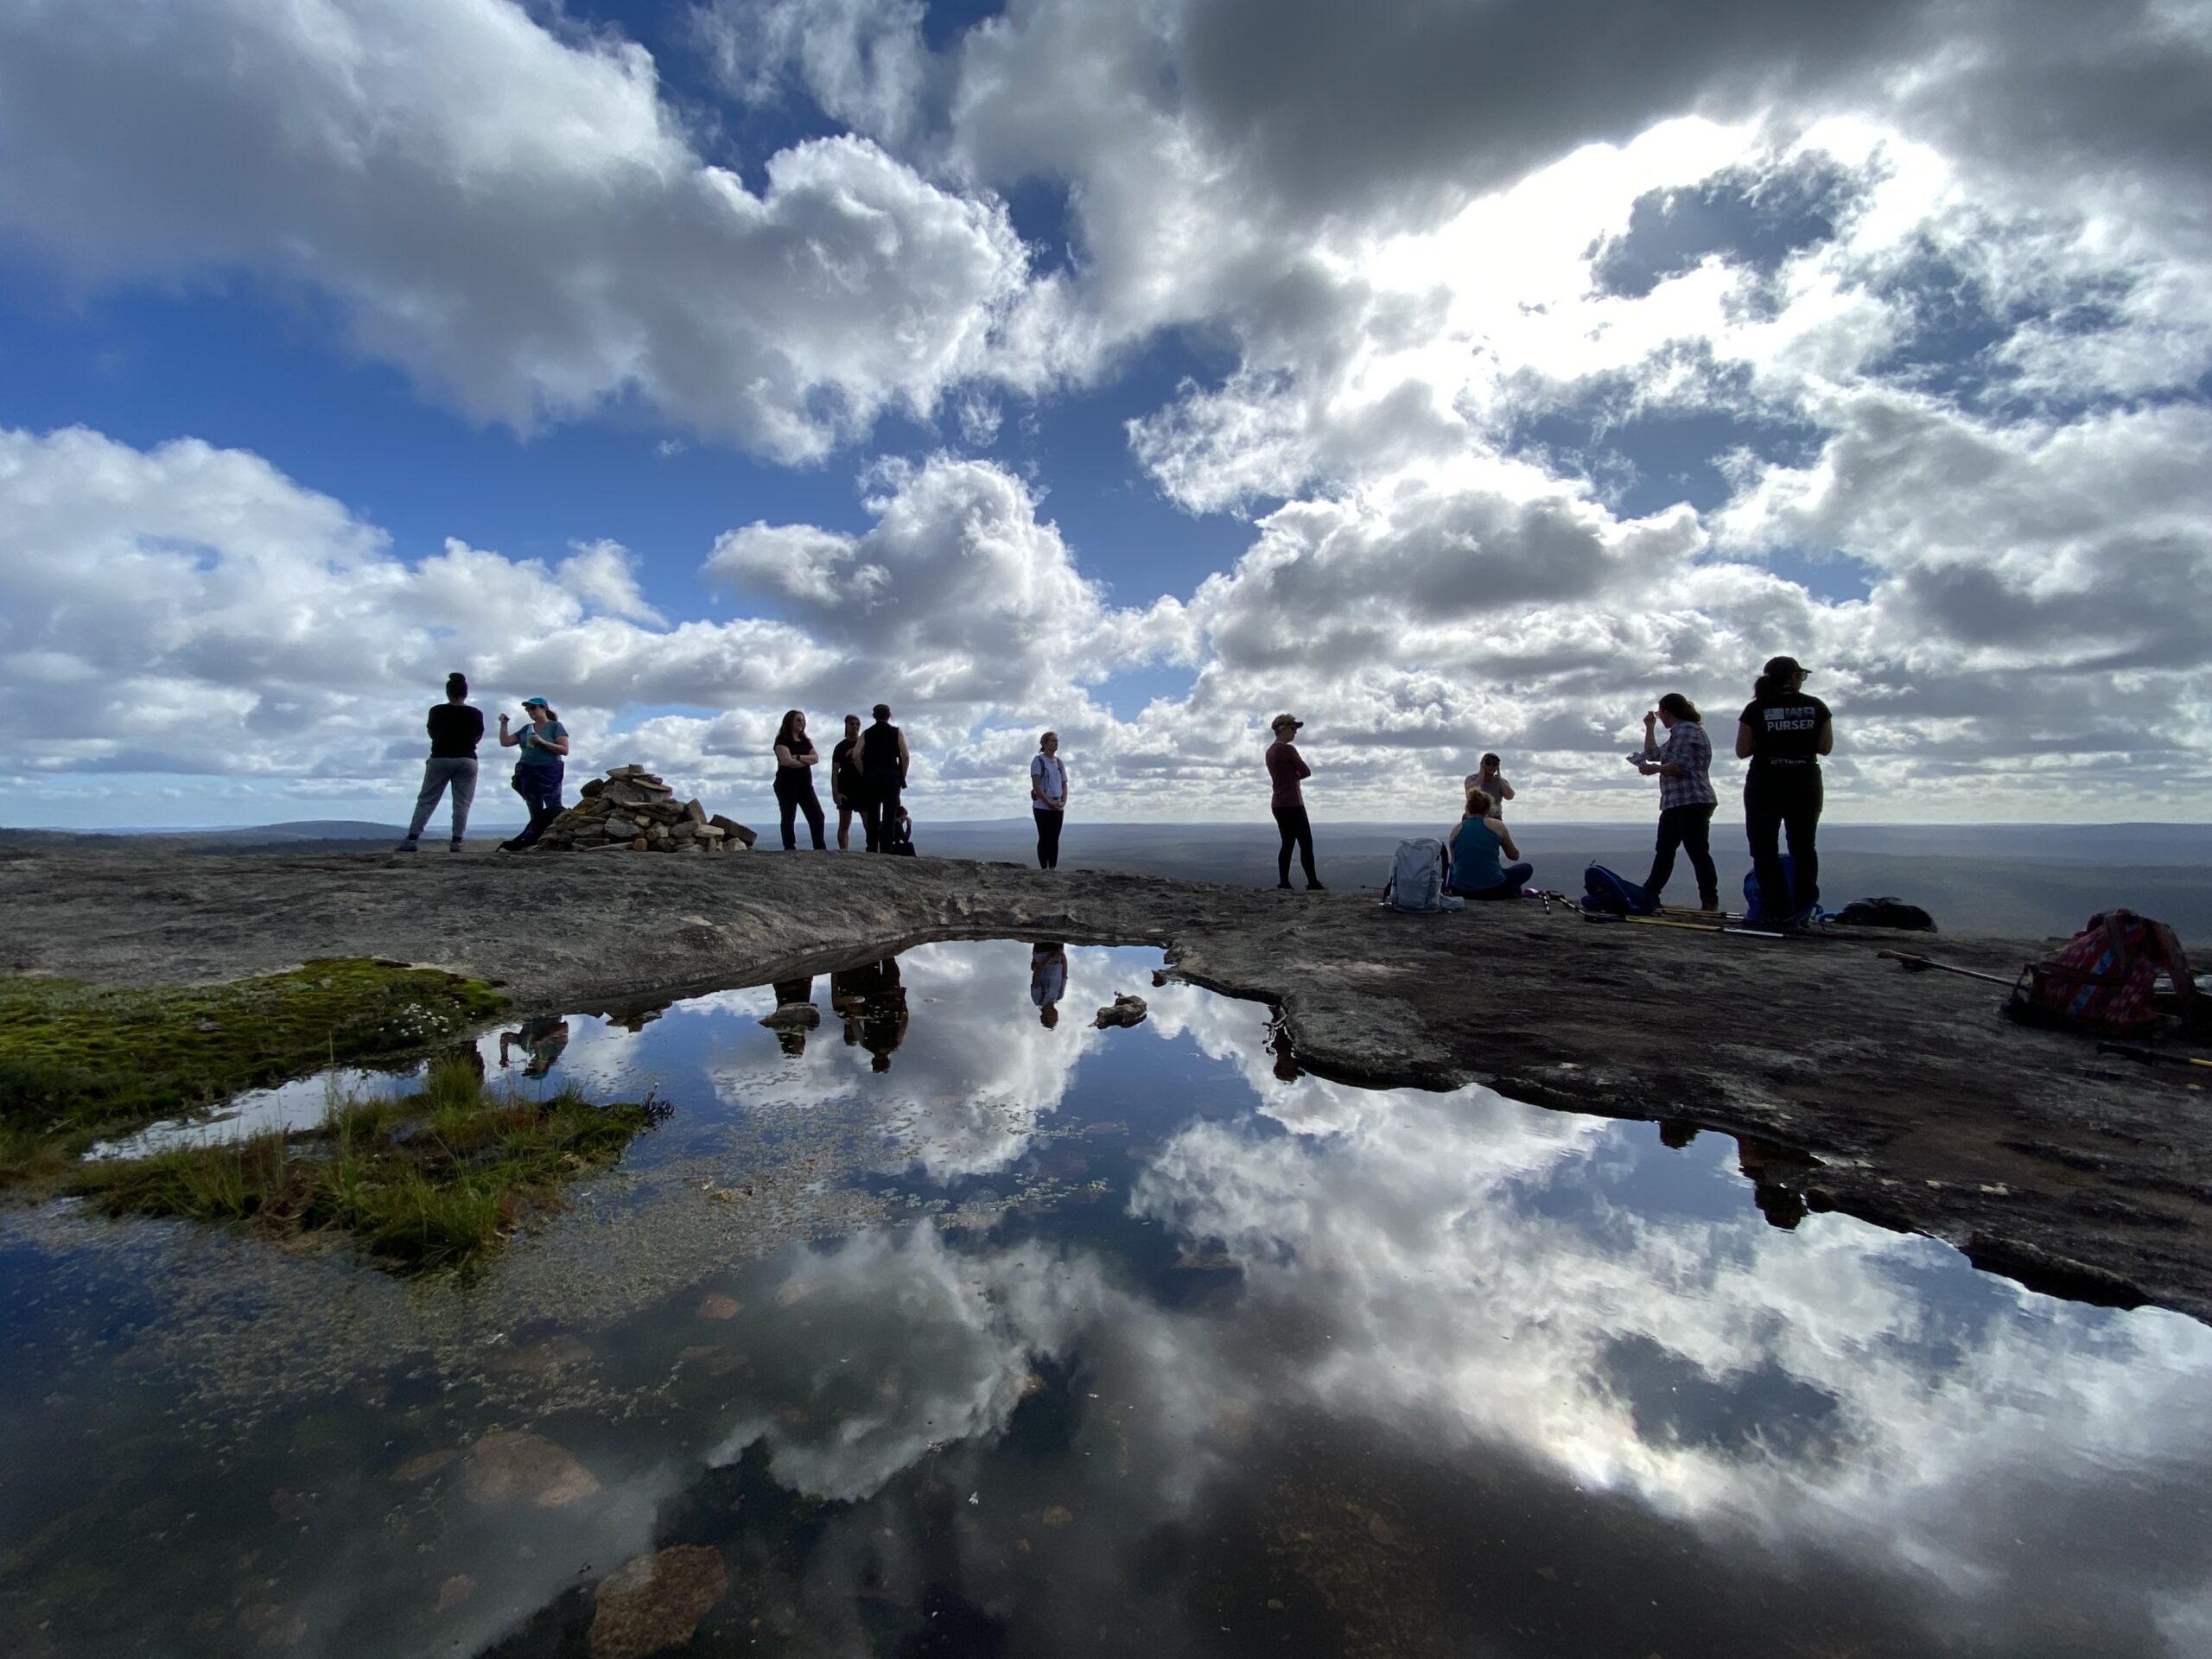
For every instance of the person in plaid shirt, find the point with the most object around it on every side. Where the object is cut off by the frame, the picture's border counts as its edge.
(1685, 796)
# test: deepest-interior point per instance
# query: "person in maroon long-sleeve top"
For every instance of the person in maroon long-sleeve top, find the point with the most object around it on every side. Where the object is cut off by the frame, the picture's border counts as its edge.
(1285, 768)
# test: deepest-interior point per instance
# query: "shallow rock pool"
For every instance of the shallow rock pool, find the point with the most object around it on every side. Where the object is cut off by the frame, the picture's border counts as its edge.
(937, 1320)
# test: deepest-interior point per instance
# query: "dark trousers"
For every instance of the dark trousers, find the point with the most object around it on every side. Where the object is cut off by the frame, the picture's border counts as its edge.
(540, 789)
(1297, 830)
(879, 807)
(1778, 800)
(1048, 835)
(1510, 881)
(791, 799)
(1690, 829)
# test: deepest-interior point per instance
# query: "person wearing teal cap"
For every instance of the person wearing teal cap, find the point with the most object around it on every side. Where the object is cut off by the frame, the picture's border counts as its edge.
(538, 768)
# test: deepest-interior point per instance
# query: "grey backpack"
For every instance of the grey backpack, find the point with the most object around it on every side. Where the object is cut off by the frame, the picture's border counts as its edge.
(1416, 883)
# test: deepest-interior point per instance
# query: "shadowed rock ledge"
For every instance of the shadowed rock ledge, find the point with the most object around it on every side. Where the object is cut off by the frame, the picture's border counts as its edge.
(1852, 1085)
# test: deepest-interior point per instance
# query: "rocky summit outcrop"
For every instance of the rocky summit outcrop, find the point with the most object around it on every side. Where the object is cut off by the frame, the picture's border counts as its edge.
(1849, 1084)
(631, 809)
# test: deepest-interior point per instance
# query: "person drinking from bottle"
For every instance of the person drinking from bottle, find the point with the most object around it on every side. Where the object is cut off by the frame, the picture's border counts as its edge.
(544, 746)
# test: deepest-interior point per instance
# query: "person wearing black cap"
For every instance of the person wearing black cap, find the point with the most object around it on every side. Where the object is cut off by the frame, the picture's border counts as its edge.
(1286, 771)
(455, 729)
(1784, 733)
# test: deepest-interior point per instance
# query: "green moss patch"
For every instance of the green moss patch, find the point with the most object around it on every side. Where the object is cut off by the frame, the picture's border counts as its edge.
(436, 1180)
(76, 1059)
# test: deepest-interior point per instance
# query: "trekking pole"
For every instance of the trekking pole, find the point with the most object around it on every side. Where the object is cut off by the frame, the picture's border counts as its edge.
(1689, 927)
(1704, 927)
(2152, 1057)
(1920, 964)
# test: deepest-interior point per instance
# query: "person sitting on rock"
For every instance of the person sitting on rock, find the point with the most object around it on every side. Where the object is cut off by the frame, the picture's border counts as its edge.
(1474, 846)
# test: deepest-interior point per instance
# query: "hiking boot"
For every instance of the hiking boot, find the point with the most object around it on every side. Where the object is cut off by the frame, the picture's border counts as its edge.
(1283, 887)
(453, 847)
(407, 847)
(1315, 886)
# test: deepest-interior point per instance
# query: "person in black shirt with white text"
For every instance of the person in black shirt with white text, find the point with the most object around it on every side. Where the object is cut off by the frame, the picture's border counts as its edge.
(1048, 799)
(845, 781)
(455, 729)
(1784, 733)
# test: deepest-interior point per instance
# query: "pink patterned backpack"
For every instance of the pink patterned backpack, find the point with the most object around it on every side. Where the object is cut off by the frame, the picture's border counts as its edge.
(2102, 980)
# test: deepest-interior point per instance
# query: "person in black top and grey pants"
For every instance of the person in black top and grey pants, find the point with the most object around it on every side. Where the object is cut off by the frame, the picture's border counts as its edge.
(1783, 734)
(883, 774)
(455, 729)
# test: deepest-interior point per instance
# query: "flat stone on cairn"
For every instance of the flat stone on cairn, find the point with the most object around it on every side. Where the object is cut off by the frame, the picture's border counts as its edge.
(631, 808)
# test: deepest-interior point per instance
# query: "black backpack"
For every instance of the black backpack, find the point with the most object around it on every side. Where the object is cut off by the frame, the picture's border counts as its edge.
(898, 838)
(1886, 912)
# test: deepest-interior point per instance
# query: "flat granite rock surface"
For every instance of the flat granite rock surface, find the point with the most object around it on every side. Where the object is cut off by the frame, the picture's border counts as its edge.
(1850, 1083)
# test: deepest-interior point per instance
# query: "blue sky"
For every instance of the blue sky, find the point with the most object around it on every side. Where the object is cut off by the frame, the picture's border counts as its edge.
(1068, 383)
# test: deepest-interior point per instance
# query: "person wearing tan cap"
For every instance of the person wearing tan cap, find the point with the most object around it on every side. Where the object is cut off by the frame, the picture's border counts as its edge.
(1287, 769)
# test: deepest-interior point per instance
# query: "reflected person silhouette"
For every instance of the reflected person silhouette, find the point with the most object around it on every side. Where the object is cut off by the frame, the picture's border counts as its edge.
(1048, 980)
(541, 1037)
(873, 1004)
(794, 1014)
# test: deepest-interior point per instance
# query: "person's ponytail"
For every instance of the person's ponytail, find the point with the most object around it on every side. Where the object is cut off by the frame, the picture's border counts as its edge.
(1680, 708)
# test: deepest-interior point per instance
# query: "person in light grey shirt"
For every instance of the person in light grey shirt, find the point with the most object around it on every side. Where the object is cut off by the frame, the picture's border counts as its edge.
(455, 729)
(1048, 799)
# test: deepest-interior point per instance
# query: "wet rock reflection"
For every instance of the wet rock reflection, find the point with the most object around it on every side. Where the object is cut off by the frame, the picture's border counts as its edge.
(1170, 1348)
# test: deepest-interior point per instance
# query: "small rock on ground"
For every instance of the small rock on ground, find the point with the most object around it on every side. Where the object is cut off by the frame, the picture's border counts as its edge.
(657, 1601)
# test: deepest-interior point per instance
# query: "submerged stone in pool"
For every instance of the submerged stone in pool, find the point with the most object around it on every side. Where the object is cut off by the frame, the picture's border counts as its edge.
(939, 1323)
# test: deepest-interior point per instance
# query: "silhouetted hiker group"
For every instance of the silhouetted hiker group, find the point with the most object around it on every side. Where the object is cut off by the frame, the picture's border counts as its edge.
(867, 774)
(1783, 733)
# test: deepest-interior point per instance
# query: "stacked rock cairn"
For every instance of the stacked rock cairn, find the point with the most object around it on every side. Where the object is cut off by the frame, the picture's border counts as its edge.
(631, 808)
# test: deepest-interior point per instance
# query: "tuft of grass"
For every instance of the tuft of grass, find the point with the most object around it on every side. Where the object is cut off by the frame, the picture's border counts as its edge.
(77, 1061)
(436, 1180)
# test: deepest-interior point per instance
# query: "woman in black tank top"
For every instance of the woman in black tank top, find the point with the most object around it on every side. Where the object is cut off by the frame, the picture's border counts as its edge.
(883, 774)
(795, 760)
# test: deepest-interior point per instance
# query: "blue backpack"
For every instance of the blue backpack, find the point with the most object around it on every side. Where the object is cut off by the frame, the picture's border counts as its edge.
(1608, 894)
(1755, 908)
